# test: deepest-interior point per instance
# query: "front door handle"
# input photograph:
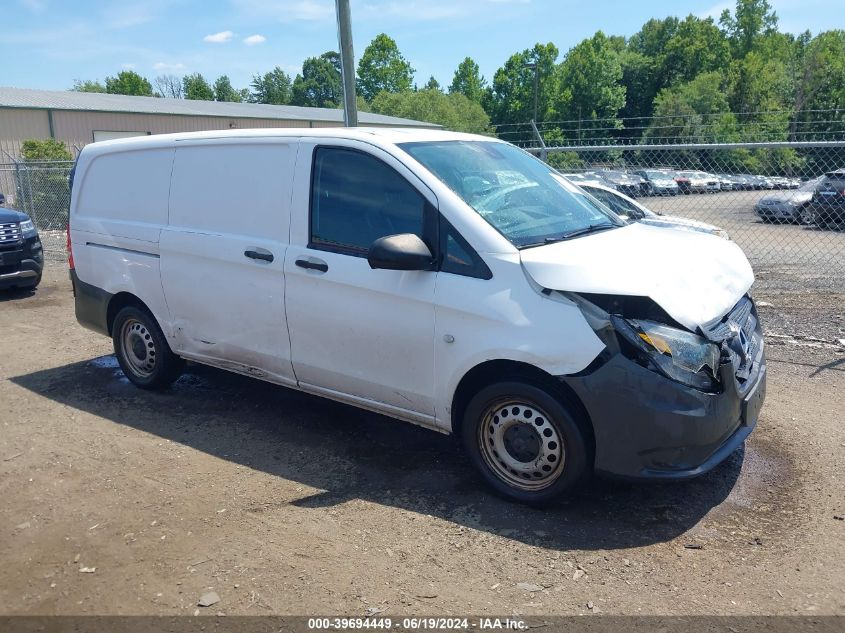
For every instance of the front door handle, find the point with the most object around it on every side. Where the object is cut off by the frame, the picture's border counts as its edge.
(262, 255)
(304, 263)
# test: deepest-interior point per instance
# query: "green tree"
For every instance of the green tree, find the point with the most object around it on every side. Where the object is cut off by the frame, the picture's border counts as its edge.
(751, 19)
(590, 83)
(693, 112)
(48, 149)
(432, 84)
(87, 85)
(128, 82)
(761, 92)
(196, 88)
(639, 77)
(223, 90)
(643, 67)
(652, 38)
(382, 67)
(821, 84)
(468, 80)
(453, 111)
(273, 87)
(697, 46)
(320, 84)
(510, 99)
(42, 190)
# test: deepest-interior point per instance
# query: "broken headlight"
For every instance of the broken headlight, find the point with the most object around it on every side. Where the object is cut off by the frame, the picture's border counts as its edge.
(679, 355)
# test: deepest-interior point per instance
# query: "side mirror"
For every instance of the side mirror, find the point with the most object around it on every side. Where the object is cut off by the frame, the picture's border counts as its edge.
(405, 251)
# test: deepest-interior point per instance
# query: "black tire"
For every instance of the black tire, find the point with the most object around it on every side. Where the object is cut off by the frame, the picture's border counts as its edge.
(135, 332)
(531, 409)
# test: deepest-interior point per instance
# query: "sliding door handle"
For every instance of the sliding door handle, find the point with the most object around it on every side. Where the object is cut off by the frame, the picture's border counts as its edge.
(263, 255)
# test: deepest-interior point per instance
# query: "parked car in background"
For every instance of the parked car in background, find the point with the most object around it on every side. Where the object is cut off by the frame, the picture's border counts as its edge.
(683, 182)
(587, 177)
(780, 182)
(621, 181)
(21, 253)
(632, 210)
(641, 182)
(726, 182)
(658, 182)
(700, 182)
(2, 199)
(788, 206)
(827, 207)
(744, 182)
(761, 182)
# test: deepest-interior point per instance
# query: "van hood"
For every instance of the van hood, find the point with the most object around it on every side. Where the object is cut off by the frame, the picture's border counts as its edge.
(693, 276)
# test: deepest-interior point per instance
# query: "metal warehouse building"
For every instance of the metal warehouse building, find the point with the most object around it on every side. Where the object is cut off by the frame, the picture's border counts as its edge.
(79, 118)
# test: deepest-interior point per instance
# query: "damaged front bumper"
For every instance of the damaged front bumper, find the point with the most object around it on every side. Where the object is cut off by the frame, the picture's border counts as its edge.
(649, 426)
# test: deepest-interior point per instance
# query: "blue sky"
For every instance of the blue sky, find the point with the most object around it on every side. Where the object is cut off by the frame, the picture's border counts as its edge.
(49, 43)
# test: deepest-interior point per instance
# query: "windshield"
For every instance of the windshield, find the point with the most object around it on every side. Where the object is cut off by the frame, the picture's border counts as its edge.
(519, 195)
(616, 203)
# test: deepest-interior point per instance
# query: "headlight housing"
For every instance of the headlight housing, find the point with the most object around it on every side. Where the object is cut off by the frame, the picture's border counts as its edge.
(679, 355)
(28, 228)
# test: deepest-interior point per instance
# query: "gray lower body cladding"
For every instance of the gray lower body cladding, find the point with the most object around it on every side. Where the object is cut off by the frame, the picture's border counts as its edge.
(91, 305)
(649, 427)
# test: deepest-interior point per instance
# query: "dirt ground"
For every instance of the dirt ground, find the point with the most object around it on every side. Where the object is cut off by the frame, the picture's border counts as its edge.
(118, 501)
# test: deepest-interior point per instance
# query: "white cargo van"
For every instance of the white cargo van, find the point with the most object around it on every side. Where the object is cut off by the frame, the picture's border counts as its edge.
(448, 280)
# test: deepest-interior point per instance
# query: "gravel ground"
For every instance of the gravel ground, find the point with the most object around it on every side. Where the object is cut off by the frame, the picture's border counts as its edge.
(120, 501)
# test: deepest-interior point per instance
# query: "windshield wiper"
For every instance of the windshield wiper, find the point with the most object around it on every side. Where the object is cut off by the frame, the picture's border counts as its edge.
(592, 228)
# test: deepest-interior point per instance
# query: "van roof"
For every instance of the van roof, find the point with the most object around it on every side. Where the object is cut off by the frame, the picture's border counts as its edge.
(377, 134)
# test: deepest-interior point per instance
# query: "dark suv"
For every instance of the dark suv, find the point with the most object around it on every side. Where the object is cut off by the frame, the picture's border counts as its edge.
(21, 254)
(828, 204)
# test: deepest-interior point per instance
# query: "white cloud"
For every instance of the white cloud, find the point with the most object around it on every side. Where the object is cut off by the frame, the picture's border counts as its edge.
(36, 6)
(218, 38)
(253, 40)
(127, 15)
(419, 10)
(128, 66)
(287, 10)
(433, 10)
(168, 67)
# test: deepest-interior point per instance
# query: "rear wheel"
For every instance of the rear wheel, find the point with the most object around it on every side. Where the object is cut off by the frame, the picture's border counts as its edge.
(142, 351)
(528, 444)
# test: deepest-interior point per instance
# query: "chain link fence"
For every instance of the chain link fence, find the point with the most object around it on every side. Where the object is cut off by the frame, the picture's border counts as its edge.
(772, 199)
(40, 189)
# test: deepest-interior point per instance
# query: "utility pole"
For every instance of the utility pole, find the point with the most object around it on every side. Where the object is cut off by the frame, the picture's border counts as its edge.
(347, 63)
(536, 68)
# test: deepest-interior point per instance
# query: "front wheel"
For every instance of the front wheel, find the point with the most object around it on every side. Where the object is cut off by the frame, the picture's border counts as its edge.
(142, 351)
(527, 443)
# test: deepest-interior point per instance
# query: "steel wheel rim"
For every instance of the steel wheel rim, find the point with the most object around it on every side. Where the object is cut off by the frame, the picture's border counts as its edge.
(138, 348)
(520, 445)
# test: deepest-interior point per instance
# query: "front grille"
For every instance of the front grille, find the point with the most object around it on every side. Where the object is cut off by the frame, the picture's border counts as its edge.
(739, 333)
(10, 235)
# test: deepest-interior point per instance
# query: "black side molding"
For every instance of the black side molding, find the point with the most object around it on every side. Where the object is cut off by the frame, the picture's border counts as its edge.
(91, 304)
